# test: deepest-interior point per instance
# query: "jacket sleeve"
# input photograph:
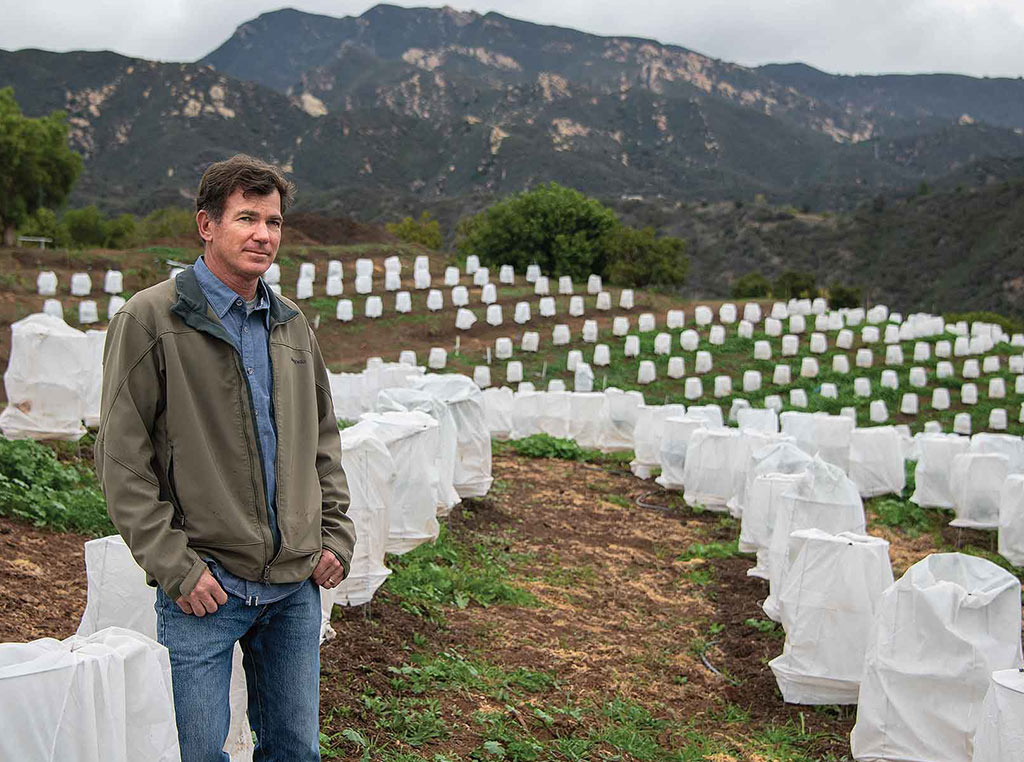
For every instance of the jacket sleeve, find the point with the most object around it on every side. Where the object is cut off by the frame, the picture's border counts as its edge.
(126, 460)
(337, 530)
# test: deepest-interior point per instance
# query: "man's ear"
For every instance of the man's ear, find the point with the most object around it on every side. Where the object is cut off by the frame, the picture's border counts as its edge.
(205, 224)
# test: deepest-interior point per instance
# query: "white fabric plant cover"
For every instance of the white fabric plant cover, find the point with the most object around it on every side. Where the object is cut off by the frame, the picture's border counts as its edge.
(583, 378)
(103, 698)
(712, 460)
(498, 409)
(763, 498)
(554, 412)
(766, 457)
(1003, 444)
(370, 471)
(94, 381)
(1000, 734)
(823, 498)
(1011, 519)
(975, 480)
(392, 282)
(650, 424)
(758, 419)
(828, 600)
(451, 276)
(525, 413)
(48, 379)
(587, 418)
(939, 633)
(46, 283)
(576, 306)
(81, 284)
(113, 282)
(117, 596)
(622, 411)
(405, 400)
(460, 296)
(88, 312)
(412, 441)
(931, 475)
(818, 434)
(675, 440)
(876, 461)
(473, 465)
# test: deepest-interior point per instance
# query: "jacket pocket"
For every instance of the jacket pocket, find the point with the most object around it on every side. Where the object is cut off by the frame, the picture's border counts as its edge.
(179, 512)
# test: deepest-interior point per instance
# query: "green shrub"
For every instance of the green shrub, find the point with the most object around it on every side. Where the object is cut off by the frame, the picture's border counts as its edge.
(792, 284)
(37, 487)
(751, 285)
(555, 227)
(168, 222)
(425, 231)
(639, 258)
(840, 296)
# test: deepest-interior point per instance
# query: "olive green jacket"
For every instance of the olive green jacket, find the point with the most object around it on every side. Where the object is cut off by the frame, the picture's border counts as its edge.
(177, 452)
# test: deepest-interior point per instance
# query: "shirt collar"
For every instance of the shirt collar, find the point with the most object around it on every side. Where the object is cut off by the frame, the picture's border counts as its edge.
(220, 296)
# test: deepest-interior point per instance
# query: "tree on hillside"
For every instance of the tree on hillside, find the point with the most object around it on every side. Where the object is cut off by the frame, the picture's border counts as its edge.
(555, 227)
(425, 231)
(37, 167)
(638, 258)
(793, 284)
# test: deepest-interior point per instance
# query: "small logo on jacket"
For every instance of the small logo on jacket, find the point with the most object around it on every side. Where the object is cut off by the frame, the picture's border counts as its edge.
(299, 360)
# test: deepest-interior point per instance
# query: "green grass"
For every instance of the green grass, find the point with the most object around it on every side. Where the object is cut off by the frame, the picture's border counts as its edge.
(448, 572)
(546, 446)
(37, 487)
(711, 550)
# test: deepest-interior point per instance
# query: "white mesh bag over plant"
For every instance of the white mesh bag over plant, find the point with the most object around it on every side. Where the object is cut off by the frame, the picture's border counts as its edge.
(1003, 444)
(819, 434)
(404, 400)
(647, 434)
(412, 440)
(712, 460)
(939, 633)
(1000, 734)
(876, 461)
(473, 464)
(675, 441)
(931, 475)
(586, 418)
(498, 408)
(85, 699)
(47, 380)
(823, 498)
(975, 480)
(1011, 519)
(370, 471)
(117, 596)
(832, 587)
(622, 411)
(778, 454)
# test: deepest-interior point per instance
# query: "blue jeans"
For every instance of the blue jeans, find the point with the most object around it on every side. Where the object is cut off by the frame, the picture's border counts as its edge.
(281, 654)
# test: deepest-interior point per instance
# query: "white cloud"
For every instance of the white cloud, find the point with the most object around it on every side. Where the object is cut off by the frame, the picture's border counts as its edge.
(979, 37)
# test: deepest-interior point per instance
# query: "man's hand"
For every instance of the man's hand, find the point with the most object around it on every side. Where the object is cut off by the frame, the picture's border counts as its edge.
(329, 572)
(206, 597)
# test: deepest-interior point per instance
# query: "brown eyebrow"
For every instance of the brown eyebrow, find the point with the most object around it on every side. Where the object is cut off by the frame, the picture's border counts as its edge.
(254, 213)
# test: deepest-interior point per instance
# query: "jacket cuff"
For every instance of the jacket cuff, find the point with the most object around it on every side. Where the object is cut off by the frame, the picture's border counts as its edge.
(188, 583)
(343, 555)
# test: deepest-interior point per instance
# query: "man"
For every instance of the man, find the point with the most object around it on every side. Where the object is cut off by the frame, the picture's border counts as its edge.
(219, 455)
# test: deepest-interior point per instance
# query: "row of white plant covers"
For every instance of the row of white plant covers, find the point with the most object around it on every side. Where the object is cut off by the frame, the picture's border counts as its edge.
(796, 482)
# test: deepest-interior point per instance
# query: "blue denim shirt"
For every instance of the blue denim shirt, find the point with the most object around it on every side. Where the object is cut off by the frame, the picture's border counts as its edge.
(251, 333)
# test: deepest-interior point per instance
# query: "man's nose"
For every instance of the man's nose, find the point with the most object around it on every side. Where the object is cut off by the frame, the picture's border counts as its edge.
(261, 232)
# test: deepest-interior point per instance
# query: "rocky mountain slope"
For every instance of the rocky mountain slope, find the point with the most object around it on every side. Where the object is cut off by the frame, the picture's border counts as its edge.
(402, 107)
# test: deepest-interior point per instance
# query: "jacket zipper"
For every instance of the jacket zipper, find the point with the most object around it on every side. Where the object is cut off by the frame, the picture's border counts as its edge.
(267, 561)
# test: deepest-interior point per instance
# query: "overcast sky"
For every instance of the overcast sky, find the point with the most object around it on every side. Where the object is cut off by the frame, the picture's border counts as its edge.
(977, 37)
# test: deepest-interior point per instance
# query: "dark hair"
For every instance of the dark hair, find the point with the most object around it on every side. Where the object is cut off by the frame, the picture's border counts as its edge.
(253, 176)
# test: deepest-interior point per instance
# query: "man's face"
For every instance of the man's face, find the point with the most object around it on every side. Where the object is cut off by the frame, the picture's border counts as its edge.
(245, 241)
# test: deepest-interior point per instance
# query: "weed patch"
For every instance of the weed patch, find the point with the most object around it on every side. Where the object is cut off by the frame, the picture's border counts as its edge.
(449, 573)
(37, 487)
(711, 550)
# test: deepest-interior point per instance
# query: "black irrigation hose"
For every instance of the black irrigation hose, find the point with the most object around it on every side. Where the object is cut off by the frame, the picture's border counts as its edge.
(652, 506)
(707, 663)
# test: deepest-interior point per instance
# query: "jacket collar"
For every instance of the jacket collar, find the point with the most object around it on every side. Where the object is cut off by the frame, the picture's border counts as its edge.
(192, 306)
